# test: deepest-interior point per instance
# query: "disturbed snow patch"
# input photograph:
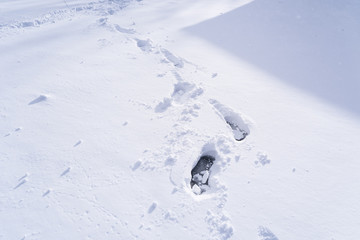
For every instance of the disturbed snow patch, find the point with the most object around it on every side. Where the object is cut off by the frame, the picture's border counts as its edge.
(219, 225)
(144, 45)
(265, 234)
(262, 158)
(183, 93)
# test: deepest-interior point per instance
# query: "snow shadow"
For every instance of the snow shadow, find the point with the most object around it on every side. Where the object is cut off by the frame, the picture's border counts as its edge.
(265, 234)
(312, 45)
(39, 99)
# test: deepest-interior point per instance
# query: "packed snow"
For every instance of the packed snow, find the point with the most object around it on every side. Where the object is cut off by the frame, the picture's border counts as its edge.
(107, 107)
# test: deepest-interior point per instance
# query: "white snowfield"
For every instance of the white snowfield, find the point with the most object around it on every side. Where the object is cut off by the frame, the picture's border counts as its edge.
(106, 107)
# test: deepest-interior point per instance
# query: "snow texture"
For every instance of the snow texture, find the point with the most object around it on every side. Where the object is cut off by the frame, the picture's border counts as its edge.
(107, 106)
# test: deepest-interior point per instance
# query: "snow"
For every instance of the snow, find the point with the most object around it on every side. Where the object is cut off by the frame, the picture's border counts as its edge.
(106, 106)
(205, 176)
(196, 189)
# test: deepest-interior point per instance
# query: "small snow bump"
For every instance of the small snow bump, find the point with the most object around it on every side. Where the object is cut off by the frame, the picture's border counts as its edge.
(66, 171)
(196, 189)
(196, 106)
(27, 24)
(266, 234)
(197, 92)
(197, 177)
(47, 192)
(171, 216)
(152, 207)
(178, 62)
(77, 143)
(262, 158)
(170, 161)
(136, 165)
(102, 21)
(160, 75)
(39, 99)
(205, 177)
(23, 181)
(23, 177)
(111, 11)
(221, 224)
(144, 45)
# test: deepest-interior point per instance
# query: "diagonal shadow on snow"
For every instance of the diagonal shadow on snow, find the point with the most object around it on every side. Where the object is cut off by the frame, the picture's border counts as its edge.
(312, 45)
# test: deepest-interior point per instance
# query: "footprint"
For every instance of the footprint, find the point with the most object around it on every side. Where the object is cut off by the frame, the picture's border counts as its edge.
(184, 91)
(200, 174)
(144, 45)
(177, 76)
(124, 30)
(234, 120)
(180, 90)
(178, 62)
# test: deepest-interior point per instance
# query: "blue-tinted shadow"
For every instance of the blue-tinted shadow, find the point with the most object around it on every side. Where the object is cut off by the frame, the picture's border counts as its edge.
(313, 45)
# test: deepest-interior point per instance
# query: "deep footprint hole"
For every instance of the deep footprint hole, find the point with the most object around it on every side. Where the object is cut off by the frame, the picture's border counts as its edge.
(200, 174)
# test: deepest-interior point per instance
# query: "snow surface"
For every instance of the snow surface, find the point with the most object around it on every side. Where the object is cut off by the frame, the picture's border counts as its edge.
(106, 106)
